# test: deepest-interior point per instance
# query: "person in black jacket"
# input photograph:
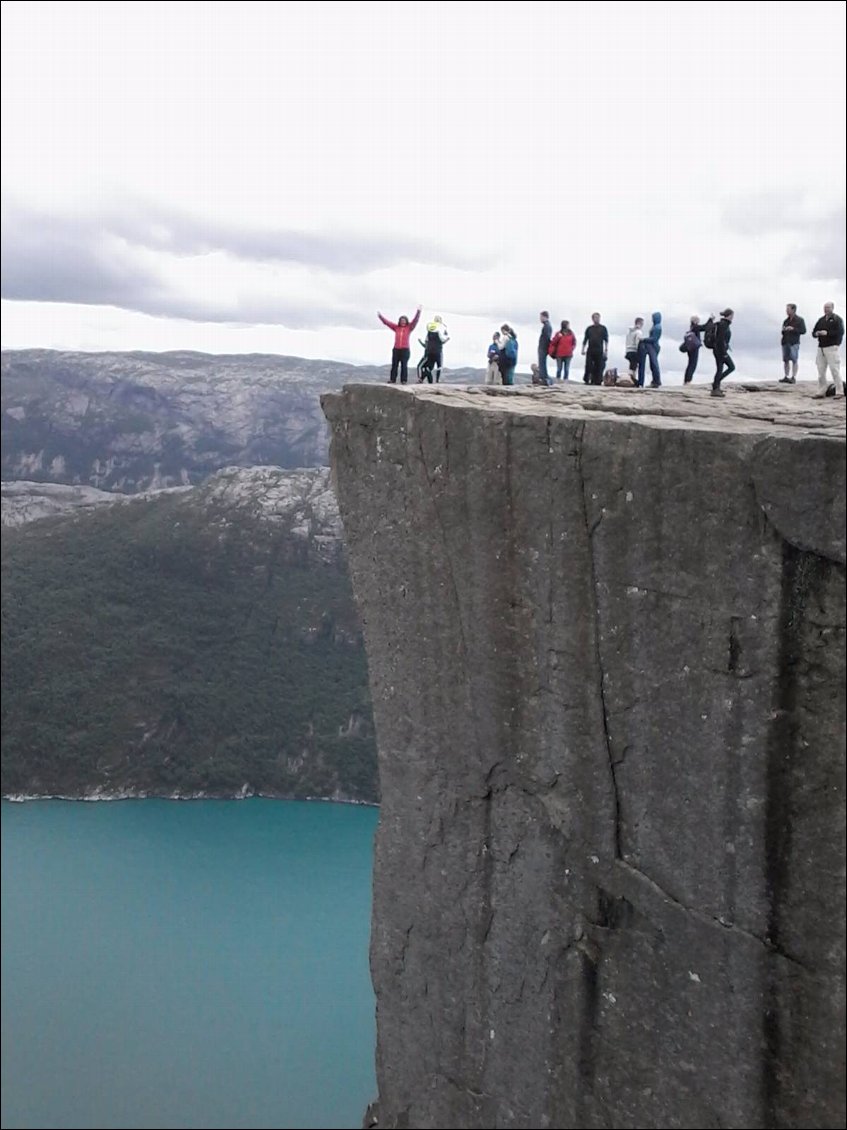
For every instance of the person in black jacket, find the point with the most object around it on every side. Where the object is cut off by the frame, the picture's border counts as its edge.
(544, 339)
(829, 330)
(722, 357)
(793, 329)
(595, 350)
(692, 342)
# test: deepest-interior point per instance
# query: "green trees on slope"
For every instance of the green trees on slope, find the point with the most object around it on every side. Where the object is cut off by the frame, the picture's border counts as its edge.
(148, 649)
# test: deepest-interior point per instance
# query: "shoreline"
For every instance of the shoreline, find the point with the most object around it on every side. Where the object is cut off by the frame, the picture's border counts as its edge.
(243, 794)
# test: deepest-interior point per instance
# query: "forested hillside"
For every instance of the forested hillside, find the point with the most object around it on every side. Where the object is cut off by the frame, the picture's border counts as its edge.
(196, 642)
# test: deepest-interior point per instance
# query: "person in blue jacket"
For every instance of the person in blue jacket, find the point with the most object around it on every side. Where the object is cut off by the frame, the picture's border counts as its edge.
(508, 354)
(648, 350)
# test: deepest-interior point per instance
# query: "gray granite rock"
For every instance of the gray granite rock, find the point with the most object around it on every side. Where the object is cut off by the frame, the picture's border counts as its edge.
(606, 645)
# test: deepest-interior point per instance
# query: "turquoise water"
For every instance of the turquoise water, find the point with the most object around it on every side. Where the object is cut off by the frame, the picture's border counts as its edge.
(186, 964)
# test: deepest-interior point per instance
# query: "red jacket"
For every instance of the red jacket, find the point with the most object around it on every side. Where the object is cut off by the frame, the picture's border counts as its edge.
(563, 344)
(401, 333)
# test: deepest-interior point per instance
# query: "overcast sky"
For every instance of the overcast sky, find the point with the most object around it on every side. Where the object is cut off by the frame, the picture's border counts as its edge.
(262, 177)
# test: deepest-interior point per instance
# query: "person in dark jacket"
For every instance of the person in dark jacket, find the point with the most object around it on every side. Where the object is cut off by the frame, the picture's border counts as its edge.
(595, 350)
(724, 364)
(829, 331)
(692, 342)
(793, 329)
(648, 350)
(544, 339)
(400, 353)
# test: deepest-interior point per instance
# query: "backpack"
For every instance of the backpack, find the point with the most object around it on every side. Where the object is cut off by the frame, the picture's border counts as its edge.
(433, 341)
(710, 334)
(510, 353)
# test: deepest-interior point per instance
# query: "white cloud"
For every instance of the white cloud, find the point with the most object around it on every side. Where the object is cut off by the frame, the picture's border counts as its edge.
(487, 161)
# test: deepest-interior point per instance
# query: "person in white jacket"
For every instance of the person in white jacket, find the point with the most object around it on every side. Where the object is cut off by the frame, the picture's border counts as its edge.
(633, 336)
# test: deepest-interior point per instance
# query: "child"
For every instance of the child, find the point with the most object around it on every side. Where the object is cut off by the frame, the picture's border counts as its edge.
(492, 375)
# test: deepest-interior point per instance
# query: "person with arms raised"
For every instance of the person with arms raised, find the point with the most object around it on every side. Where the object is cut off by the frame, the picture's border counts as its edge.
(401, 352)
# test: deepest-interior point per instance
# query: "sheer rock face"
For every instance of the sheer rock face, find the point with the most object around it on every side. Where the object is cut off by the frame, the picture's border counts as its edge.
(606, 646)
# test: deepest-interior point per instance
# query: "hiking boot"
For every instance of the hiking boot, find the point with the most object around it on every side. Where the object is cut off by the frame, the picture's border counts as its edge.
(718, 392)
(786, 380)
(830, 390)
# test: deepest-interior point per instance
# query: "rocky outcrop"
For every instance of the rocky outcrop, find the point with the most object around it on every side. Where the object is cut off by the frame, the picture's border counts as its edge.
(605, 633)
(24, 502)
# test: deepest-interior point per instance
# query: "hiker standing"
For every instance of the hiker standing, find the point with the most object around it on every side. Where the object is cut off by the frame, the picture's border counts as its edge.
(400, 353)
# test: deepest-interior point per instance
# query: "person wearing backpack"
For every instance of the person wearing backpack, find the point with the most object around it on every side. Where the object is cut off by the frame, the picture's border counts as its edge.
(544, 339)
(508, 354)
(692, 343)
(436, 336)
(721, 334)
(562, 348)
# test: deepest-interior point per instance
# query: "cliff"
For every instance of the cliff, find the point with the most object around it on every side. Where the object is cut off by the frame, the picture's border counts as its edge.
(605, 633)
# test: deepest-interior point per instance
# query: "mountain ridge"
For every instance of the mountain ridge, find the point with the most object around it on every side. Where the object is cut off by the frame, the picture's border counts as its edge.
(138, 421)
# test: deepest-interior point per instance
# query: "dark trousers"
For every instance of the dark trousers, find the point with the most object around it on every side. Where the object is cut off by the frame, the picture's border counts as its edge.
(399, 358)
(428, 365)
(542, 364)
(691, 367)
(647, 351)
(721, 360)
(595, 362)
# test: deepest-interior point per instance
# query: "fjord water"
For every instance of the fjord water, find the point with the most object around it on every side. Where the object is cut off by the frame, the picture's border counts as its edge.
(186, 964)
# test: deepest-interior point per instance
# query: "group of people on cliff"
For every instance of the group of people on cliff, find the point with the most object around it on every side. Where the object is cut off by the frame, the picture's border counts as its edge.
(430, 365)
(641, 350)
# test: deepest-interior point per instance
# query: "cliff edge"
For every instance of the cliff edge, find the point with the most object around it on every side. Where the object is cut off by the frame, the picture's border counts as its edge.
(605, 633)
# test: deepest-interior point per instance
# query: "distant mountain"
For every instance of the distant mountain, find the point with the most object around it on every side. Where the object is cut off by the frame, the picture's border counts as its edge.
(196, 642)
(139, 421)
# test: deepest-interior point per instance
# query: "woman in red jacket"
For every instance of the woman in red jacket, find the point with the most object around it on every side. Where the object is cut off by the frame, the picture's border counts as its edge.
(400, 353)
(562, 348)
